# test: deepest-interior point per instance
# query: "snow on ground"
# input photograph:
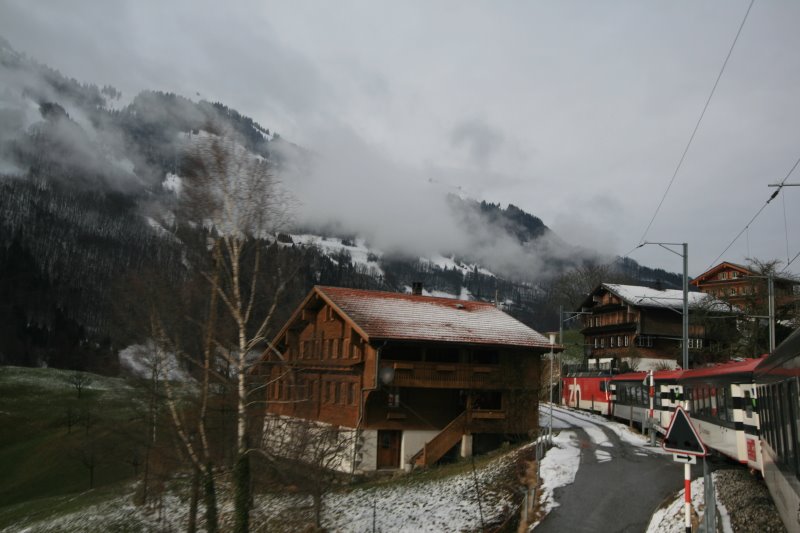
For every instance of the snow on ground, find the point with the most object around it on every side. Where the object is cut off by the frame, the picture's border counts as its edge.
(558, 468)
(330, 246)
(142, 360)
(450, 263)
(423, 502)
(671, 518)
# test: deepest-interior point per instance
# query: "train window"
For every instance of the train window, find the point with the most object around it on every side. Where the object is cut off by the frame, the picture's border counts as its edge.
(791, 402)
(778, 426)
(748, 404)
(603, 386)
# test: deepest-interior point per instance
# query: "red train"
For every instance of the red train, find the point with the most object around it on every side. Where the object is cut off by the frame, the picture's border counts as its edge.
(748, 410)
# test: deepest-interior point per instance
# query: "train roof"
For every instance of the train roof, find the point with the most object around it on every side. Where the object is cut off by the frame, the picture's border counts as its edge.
(745, 366)
(787, 350)
(658, 375)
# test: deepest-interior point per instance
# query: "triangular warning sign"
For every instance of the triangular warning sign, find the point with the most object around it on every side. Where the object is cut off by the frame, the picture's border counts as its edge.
(681, 436)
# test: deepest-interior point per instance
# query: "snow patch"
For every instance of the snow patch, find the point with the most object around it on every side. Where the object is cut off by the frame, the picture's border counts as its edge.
(147, 361)
(173, 183)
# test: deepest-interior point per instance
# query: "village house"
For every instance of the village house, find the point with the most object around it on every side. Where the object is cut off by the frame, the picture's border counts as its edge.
(628, 326)
(746, 288)
(411, 377)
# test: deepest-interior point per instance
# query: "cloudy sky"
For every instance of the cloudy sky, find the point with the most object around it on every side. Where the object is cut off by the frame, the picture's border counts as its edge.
(577, 112)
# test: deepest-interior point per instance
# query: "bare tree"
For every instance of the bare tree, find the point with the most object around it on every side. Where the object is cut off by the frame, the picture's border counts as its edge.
(235, 196)
(79, 381)
(309, 455)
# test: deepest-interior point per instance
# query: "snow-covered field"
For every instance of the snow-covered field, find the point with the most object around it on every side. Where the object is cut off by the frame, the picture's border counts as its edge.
(416, 503)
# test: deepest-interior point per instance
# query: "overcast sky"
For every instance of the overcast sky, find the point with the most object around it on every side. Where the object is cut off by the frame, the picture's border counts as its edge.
(577, 112)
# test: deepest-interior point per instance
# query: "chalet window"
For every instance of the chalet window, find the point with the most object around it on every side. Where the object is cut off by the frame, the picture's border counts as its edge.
(596, 342)
(612, 342)
(333, 348)
(443, 355)
(734, 275)
(626, 340)
(602, 342)
(485, 357)
(732, 291)
(644, 341)
(351, 394)
(393, 399)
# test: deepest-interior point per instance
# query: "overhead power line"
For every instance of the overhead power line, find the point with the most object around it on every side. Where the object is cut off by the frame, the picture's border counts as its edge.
(747, 226)
(697, 125)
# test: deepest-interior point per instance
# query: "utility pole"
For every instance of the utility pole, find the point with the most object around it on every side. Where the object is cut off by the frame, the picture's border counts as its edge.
(685, 256)
(771, 300)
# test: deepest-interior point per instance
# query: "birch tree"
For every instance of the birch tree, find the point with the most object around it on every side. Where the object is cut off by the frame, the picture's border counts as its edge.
(234, 194)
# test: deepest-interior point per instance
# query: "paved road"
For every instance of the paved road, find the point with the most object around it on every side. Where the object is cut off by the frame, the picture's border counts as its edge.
(618, 486)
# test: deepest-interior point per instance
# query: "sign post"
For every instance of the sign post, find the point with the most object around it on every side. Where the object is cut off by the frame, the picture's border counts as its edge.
(684, 443)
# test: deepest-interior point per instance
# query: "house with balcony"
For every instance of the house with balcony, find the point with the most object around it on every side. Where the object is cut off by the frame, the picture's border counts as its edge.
(412, 377)
(640, 328)
(746, 288)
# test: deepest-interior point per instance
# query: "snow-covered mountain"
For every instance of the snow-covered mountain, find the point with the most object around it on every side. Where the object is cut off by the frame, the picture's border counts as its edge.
(90, 203)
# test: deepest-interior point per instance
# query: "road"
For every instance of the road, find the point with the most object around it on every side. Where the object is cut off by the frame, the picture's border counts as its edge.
(619, 482)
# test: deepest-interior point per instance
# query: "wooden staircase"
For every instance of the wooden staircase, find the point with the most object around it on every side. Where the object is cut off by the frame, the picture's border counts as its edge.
(441, 443)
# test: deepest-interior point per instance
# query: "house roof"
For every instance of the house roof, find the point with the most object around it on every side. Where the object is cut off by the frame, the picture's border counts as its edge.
(722, 266)
(382, 315)
(667, 299)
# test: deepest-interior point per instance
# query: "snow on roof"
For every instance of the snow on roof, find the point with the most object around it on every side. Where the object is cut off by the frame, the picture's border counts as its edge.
(388, 315)
(668, 298)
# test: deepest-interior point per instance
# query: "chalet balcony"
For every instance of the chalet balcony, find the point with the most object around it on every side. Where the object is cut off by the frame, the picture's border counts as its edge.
(450, 375)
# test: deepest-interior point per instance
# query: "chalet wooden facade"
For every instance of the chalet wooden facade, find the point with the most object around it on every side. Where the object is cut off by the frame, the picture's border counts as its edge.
(641, 326)
(412, 376)
(745, 288)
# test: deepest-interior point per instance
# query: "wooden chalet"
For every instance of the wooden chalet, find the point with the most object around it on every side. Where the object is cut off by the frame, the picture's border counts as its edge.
(413, 376)
(744, 287)
(640, 326)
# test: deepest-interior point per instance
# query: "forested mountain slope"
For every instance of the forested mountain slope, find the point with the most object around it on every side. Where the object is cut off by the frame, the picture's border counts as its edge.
(91, 230)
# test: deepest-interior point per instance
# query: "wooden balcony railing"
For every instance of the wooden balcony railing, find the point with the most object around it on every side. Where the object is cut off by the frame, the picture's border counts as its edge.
(450, 375)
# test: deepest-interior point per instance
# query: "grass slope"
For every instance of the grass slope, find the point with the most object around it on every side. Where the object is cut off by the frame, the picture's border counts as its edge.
(40, 456)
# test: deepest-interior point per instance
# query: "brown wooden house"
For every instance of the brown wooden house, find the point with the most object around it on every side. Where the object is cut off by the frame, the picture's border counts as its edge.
(411, 376)
(745, 288)
(642, 327)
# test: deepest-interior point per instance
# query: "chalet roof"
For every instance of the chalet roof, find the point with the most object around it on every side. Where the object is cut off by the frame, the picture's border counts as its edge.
(386, 315)
(638, 296)
(720, 267)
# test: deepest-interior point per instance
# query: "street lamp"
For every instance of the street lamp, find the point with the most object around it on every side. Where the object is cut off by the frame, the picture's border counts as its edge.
(685, 256)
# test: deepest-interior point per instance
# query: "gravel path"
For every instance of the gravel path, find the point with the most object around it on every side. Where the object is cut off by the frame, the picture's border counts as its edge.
(748, 502)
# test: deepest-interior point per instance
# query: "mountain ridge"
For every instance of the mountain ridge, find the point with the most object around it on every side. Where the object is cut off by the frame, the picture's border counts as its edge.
(86, 207)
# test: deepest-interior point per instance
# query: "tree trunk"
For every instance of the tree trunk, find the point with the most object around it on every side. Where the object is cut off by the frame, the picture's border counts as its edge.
(241, 480)
(195, 496)
(318, 510)
(210, 496)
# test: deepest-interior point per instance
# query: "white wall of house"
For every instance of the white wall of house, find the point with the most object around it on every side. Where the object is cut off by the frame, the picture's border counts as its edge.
(357, 451)
(651, 363)
(367, 454)
(412, 442)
